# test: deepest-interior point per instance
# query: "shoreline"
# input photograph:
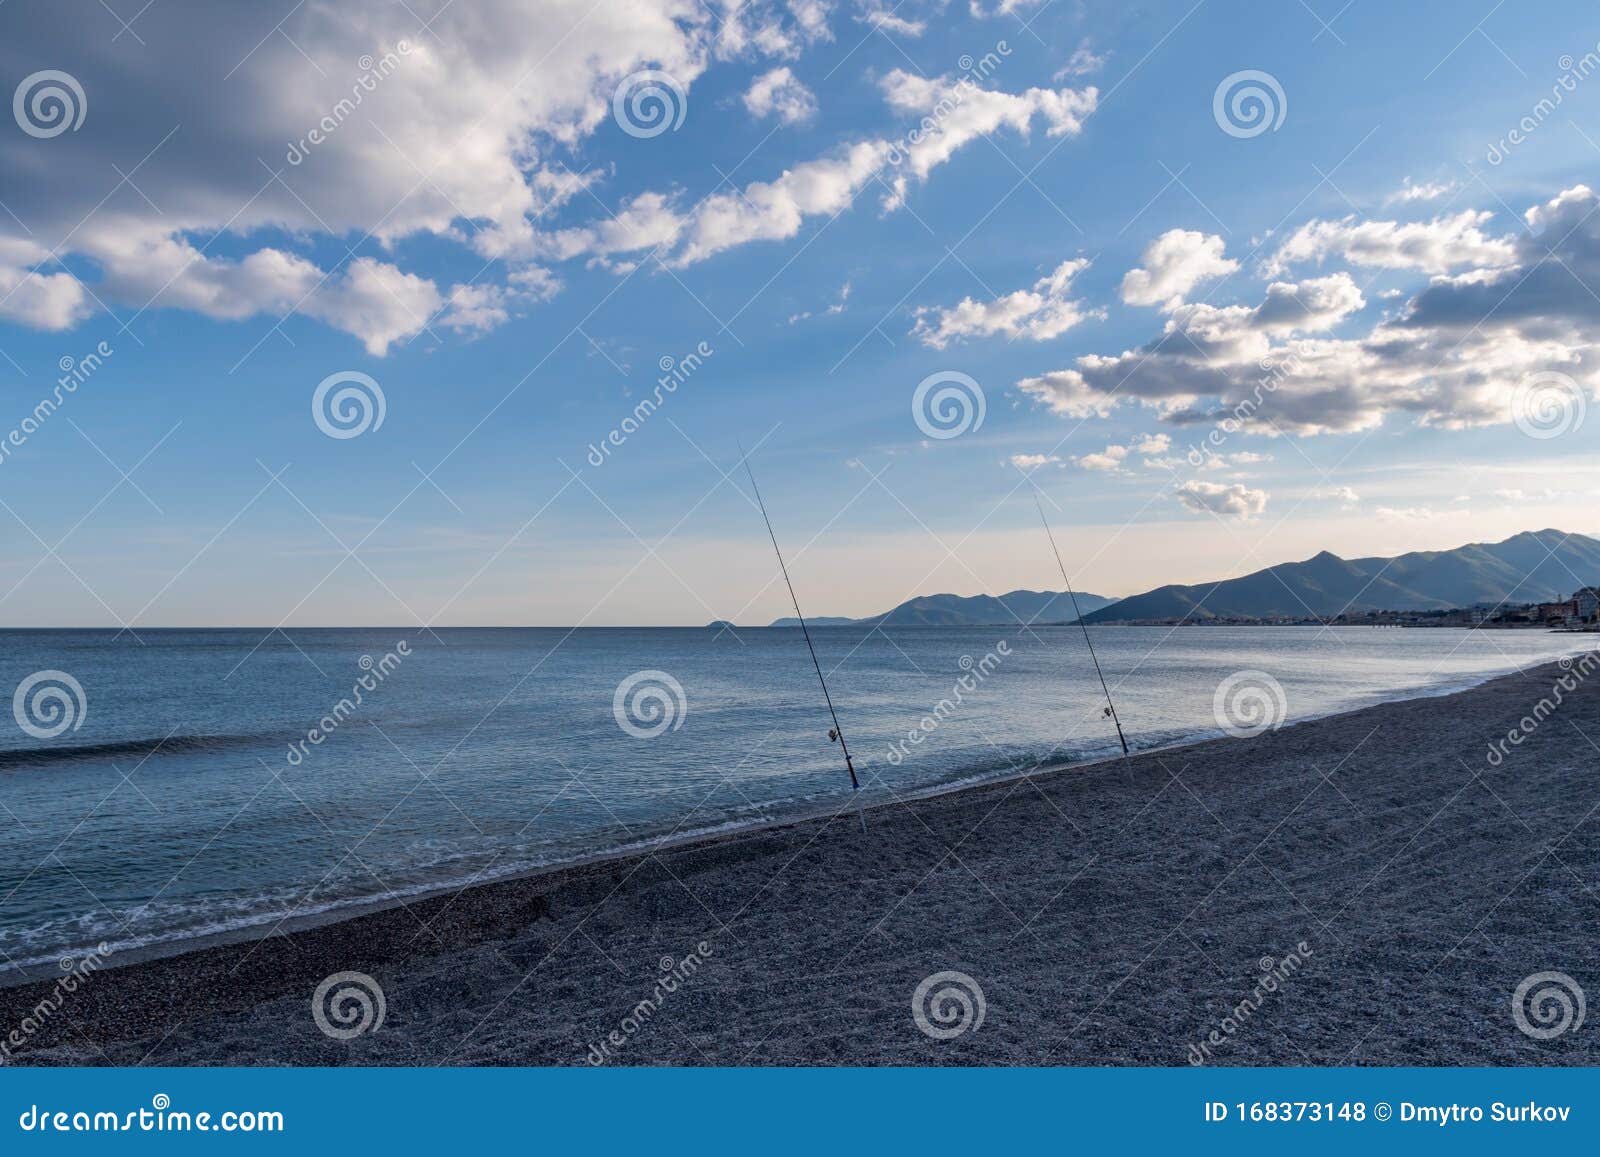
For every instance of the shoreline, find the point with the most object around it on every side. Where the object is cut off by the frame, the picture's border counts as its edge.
(40, 968)
(1060, 891)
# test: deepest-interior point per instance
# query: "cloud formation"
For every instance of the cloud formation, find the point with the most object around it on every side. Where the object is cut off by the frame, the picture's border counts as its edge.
(1109, 459)
(1406, 514)
(833, 310)
(1172, 265)
(1114, 456)
(349, 121)
(1037, 314)
(1235, 501)
(354, 127)
(1204, 350)
(1084, 61)
(1347, 498)
(1033, 461)
(1441, 245)
(1455, 357)
(780, 93)
(885, 17)
(1427, 191)
(953, 113)
(956, 112)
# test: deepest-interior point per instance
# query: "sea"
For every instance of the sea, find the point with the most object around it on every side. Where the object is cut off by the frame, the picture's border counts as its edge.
(171, 787)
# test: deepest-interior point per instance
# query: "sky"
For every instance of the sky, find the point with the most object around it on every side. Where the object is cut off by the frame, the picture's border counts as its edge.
(386, 313)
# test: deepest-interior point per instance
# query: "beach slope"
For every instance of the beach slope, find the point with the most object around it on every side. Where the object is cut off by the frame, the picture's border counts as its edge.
(1363, 889)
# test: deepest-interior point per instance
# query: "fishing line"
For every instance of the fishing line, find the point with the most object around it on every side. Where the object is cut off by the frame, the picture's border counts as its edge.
(1111, 708)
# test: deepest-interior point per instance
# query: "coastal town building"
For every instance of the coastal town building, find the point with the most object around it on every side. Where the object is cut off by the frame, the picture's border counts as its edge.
(1581, 611)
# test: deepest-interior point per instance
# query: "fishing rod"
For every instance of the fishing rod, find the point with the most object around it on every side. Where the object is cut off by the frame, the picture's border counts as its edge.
(1111, 708)
(837, 734)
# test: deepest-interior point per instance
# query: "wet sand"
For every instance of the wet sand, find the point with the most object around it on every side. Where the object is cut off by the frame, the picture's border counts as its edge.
(1362, 889)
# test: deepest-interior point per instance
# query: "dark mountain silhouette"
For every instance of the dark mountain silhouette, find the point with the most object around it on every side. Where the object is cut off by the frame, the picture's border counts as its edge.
(971, 611)
(1535, 566)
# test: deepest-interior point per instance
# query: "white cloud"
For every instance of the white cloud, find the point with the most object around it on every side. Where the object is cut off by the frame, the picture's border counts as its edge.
(1084, 61)
(1032, 461)
(1438, 246)
(147, 264)
(1205, 350)
(1343, 495)
(1109, 459)
(537, 283)
(775, 210)
(956, 112)
(811, 16)
(779, 93)
(1237, 501)
(354, 121)
(836, 308)
(1210, 460)
(476, 308)
(1541, 494)
(372, 300)
(749, 27)
(1455, 357)
(1037, 314)
(879, 14)
(1572, 207)
(1114, 456)
(52, 301)
(1406, 514)
(647, 222)
(450, 133)
(377, 302)
(1427, 191)
(1001, 8)
(1172, 265)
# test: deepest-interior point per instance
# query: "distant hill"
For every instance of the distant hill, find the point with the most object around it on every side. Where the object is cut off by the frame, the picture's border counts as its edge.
(971, 611)
(1536, 566)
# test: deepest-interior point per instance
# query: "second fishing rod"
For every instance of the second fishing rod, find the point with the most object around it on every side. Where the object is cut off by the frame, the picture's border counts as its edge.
(1111, 708)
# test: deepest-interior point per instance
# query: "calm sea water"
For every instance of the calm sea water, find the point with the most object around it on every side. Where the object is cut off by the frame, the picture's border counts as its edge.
(189, 796)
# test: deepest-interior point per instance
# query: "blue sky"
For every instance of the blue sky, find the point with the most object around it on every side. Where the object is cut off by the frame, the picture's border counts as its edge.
(484, 241)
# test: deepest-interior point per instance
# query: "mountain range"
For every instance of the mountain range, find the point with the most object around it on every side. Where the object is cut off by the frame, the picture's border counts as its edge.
(971, 611)
(1535, 566)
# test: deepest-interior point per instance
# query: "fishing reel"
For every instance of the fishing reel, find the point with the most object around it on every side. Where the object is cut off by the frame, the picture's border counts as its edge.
(833, 735)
